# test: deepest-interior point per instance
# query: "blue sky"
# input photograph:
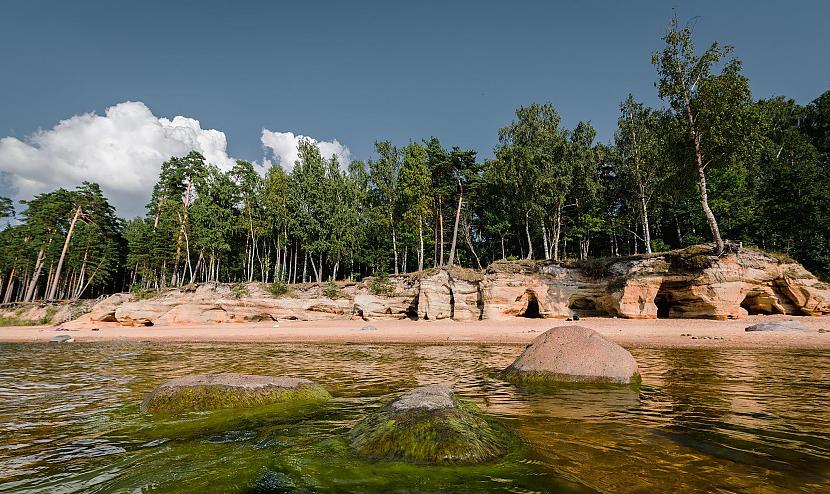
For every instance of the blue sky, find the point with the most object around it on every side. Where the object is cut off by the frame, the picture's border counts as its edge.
(361, 71)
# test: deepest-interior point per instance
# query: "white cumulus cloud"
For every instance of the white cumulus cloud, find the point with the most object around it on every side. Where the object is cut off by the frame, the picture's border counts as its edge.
(122, 150)
(282, 148)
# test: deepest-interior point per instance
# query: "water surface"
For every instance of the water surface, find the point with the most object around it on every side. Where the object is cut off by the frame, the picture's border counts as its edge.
(704, 421)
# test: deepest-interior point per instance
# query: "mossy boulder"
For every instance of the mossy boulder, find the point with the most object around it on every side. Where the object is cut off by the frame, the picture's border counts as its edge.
(206, 392)
(573, 354)
(429, 425)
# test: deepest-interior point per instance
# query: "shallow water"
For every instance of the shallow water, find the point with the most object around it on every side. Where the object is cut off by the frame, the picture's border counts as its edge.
(704, 421)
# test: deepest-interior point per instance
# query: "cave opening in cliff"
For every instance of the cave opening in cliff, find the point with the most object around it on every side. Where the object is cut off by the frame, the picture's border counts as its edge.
(751, 303)
(532, 308)
(663, 301)
(586, 307)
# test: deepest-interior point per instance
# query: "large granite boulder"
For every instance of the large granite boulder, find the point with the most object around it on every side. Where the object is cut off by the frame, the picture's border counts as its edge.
(573, 354)
(204, 392)
(429, 425)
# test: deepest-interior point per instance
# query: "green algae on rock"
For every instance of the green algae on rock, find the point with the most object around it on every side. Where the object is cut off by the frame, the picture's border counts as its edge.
(205, 392)
(429, 425)
(573, 355)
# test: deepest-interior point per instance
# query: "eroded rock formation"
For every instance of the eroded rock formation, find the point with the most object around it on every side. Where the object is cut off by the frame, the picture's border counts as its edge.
(687, 283)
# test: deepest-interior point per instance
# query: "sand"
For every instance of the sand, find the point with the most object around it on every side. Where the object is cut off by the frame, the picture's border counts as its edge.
(661, 333)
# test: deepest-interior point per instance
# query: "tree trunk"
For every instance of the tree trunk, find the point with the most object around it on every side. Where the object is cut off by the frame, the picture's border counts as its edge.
(30, 291)
(557, 231)
(54, 288)
(457, 219)
(527, 232)
(441, 230)
(701, 176)
(503, 256)
(469, 237)
(646, 229)
(545, 243)
(420, 243)
(710, 216)
(394, 243)
(9, 287)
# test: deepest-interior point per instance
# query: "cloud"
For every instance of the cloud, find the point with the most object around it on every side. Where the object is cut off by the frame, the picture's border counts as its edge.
(281, 148)
(122, 150)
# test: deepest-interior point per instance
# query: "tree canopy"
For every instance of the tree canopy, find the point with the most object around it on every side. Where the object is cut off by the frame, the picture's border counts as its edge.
(712, 164)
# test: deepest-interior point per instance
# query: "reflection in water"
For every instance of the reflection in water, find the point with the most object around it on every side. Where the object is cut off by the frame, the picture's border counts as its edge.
(705, 420)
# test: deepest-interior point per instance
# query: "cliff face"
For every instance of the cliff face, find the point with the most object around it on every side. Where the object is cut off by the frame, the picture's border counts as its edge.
(678, 284)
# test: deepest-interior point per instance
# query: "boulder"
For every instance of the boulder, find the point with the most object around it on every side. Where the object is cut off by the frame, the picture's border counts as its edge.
(573, 354)
(62, 338)
(205, 392)
(429, 425)
(776, 326)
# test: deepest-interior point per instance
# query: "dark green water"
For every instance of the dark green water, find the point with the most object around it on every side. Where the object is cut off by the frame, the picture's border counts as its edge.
(704, 421)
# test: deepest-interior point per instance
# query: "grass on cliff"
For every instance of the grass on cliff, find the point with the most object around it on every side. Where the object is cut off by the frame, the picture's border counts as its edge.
(18, 320)
(456, 272)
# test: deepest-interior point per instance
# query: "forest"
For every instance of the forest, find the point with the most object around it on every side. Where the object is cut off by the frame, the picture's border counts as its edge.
(712, 163)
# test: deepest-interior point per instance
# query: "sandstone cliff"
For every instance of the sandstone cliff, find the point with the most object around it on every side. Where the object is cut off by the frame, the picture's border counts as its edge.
(687, 283)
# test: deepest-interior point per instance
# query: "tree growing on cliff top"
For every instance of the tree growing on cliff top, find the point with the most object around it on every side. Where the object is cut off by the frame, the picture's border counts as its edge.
(712, 106)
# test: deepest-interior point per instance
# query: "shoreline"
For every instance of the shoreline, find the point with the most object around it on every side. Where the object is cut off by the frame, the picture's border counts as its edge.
(659, 333)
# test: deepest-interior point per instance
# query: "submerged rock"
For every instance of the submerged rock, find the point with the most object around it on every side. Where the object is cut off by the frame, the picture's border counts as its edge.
(573, 354)
(272, 483)
(776, 326)
(429, 425)
(221, 391)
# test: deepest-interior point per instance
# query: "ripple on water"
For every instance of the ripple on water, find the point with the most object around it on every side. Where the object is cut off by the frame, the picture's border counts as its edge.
(704, 420)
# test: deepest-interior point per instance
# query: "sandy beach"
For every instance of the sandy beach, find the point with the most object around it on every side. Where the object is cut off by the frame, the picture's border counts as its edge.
(661, 333)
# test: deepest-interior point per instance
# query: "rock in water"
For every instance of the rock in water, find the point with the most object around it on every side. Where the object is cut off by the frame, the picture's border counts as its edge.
(62, 338)
(573, 354)
(220, 391)
(368, 328)
(776, 326)
(429, 425)
(272, 483)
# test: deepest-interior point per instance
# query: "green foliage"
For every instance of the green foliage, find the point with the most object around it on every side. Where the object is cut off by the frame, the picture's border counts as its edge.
(332, 290)
(659, 245)
(239, 290)
(550, 192)
(380, 284)
(278, 288)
